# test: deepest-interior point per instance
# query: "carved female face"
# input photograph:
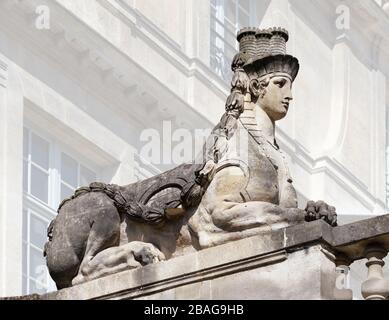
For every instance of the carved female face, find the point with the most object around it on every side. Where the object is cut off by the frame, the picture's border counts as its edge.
(275, 97)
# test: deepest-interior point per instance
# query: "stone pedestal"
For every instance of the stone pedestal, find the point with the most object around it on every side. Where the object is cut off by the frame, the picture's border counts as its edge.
(292, 263)
(300, 262)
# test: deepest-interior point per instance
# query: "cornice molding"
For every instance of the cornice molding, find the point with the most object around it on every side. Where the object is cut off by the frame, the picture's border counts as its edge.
(373, 24)
(367, 34)
(3, 73)
(330, 166)
(140, 21)
(162, 44)
(165, 45)
(70, 36)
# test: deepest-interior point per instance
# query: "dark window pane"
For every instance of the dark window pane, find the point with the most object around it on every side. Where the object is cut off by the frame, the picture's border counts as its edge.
(69, 168)
(40, 151)
(39, 184)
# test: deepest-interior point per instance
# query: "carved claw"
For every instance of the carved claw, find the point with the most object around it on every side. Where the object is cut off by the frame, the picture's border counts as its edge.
(321, 210)
(147, 254)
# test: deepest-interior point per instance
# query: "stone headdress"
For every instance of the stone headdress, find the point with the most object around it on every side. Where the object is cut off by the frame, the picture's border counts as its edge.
(261, 52)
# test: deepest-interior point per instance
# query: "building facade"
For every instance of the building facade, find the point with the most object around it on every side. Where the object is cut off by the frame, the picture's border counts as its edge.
(85, 85)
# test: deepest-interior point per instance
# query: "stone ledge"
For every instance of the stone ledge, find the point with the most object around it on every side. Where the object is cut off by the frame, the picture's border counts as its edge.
(23, 298)
(235, 258)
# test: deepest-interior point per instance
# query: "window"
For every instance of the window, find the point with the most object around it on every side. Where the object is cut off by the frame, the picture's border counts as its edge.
(35, 275)
(227, 17)
(73, 175)
(36, 166)
(50, 174)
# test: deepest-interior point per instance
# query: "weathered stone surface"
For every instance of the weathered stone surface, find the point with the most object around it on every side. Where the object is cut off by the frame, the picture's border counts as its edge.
(266, 281)
(24, 298)
(352, 239)
(240, 186)
(297, 262)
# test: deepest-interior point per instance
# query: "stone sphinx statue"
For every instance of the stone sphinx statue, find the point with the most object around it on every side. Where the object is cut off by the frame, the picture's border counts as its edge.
(240, 188)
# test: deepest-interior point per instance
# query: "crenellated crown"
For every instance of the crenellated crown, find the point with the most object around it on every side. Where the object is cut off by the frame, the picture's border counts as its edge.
(263, 51)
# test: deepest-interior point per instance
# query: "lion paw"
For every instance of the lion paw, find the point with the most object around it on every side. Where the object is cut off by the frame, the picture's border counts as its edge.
(321, 210)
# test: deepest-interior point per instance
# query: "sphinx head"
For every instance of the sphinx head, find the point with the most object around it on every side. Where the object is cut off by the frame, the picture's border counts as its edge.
(270, 83)
(269, 70)
(273, 94)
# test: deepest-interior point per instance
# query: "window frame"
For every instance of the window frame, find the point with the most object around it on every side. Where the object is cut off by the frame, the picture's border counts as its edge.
(32, 205)
(219, 30)
(27, 245)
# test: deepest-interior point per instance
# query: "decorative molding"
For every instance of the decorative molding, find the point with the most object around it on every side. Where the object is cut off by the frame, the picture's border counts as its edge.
(184, 270)
(328, 253)
(79, 40)
(376, 35)
(330, 166)
(3, 74)
(369, 21)
(142, 22)
(166, 46)
(202, 275)
(36, 116)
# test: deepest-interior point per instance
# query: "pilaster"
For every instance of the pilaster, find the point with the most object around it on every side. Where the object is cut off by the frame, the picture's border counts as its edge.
(11, 180)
